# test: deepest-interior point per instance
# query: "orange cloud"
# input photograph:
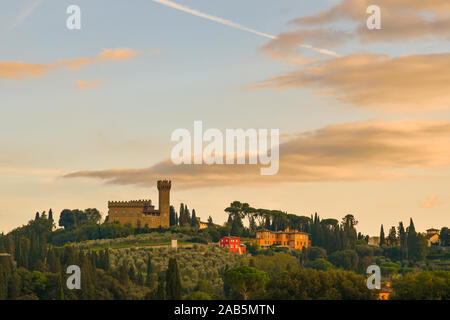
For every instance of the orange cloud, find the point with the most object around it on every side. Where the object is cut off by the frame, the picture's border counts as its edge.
(368, 150)
(401, 19)
(402, 84)
(117, 54)
(81, 84)
(22, 70)
(431, 202)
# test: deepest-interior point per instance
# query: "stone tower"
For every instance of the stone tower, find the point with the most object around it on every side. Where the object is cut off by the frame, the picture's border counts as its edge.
(164, 201)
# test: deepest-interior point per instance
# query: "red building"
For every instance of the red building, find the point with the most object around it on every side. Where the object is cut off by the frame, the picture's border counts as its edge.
(233, 243)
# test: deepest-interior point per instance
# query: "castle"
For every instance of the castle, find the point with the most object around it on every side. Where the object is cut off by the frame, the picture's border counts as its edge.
(140, 213)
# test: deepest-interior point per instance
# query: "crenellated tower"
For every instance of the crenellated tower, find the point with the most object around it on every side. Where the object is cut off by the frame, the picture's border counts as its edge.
(164, 201)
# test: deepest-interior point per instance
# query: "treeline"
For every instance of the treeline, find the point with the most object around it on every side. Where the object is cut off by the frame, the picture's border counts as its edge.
(31, 268)
(326, 233)
(406, 244)
(280, 276)
(184, 218)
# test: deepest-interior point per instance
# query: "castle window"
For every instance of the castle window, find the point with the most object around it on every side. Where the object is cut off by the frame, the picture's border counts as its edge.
(123, 214)
(131, 214)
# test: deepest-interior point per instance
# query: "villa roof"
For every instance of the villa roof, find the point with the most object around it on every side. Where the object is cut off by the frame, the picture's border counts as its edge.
(290, 231)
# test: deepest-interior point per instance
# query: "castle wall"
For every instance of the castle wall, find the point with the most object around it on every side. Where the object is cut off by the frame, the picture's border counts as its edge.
(139, 213)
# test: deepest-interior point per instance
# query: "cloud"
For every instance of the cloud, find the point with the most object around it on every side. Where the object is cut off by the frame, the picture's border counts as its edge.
(401, 19)
(235, 25)
(368, 150)
(431, 202)
(403, 84)
(81, 84)
(287, 46)
(23, 70)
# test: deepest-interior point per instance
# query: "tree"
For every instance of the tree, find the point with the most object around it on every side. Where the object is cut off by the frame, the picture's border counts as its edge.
(187, 214)
(425, 285)
(182, 219)
(50, 214)
(444, 237)
(92, 215)
(148, 279)
(210, 222)
(173, 281)
(309, 284)
(123, 274)
(172, 216)
(403, 240)
(36, 216)
(411, 239)
(194, 221)
(392, 236)
(245, 280)
(67, 219)
(382, 240)
(160, 292)
(237, 226)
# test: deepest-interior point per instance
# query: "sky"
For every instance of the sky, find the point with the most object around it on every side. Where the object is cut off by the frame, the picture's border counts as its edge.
(87, 115)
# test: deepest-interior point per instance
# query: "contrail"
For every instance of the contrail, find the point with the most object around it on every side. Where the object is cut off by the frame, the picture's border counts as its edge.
(29, 8)
(235, 25)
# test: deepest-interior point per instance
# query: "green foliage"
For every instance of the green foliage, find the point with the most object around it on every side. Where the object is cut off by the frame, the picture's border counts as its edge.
(173, 281)
(308, 284)
(319, 264)
(425, 285)
(198, 295)
(274, 264)
(245, 280)
(346, 259)
(444, 237)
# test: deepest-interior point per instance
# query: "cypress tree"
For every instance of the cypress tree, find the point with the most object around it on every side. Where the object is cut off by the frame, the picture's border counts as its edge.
(123, 274)
(59, 289)
(173, 281)
(182, 221)
(50, 214)
(13, 287)
(382, 241)
(412, 239)
(3, 283)
(172, 216)
(160, 292)
(140, 278)
(194, 221)
(187, 214)
(210, 222)
(148, 278)
(403, 240)
(132, 273)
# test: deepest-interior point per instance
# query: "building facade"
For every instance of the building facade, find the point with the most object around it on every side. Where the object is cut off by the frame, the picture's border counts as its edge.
(233, 243)
(140, 213)
(289, 238)
(432, 236)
